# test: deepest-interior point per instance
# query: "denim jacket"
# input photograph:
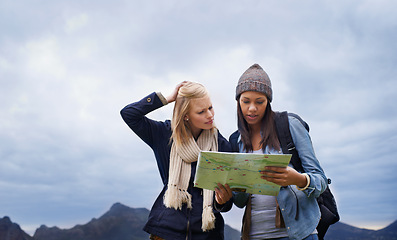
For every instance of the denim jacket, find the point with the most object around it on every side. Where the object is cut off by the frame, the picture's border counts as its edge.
(299, 209)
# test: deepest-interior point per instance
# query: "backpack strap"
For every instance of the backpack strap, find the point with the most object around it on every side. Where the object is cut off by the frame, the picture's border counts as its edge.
(285, 138)
(287, 145)
(300, 120)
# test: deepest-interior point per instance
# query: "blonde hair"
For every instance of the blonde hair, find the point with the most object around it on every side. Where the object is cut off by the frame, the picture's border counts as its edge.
(180, 128)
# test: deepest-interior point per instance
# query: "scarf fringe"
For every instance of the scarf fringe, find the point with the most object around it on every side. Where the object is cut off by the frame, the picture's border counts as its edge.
(181, 158)
(208, 222)
(174, 198)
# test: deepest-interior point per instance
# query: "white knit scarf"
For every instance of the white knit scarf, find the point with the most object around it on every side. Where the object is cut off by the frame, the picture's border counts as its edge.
(179, 175)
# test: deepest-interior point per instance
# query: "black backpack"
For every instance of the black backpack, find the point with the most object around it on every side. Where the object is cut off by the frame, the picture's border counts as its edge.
(326, 201)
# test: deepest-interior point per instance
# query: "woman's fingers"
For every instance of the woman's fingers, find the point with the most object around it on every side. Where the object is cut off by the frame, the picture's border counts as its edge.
(223, 193)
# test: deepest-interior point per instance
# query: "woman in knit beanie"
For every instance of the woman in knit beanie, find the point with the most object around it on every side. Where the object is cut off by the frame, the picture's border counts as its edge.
(294, 213)
(182, 211)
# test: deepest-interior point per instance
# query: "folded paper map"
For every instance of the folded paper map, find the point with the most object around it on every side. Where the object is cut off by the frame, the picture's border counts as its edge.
(241, 171)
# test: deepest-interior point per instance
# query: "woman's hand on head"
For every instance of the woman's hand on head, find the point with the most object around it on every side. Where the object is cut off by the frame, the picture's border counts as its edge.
(284, 176)
(172, 97)
(223, 193)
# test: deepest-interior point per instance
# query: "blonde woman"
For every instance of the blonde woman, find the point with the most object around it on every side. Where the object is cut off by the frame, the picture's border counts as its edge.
(182, 211)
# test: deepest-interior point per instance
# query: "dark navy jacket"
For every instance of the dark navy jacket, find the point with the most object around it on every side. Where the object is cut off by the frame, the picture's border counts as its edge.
(169, 223)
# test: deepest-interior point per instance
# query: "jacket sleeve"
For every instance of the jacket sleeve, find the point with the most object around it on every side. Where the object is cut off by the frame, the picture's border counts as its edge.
(223, 144)
(223, 207)
(310, 164)
(240, 199)
(147, 129)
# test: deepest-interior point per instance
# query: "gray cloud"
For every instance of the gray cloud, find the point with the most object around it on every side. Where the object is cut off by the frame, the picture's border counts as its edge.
(67, 68)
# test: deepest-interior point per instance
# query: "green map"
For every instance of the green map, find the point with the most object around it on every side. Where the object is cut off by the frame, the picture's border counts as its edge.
(241, 171)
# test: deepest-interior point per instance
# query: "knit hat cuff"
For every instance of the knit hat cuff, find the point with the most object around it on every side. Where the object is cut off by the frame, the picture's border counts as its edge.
(256, 86)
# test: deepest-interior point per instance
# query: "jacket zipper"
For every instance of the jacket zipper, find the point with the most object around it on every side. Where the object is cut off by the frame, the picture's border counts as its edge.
(187, 232)
(188, 223)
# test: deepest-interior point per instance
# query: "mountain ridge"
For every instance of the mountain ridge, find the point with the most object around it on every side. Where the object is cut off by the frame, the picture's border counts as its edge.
(121, 222)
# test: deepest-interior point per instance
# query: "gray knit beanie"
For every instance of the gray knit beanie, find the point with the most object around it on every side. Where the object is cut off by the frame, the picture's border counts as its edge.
(255, 79)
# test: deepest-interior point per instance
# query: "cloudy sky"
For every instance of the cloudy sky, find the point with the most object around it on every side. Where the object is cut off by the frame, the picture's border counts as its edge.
(68, 67)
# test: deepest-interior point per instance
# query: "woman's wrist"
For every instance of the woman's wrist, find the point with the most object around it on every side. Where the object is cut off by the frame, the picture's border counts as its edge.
(307, 180)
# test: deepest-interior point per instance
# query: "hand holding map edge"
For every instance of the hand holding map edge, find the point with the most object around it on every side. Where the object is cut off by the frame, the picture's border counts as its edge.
(223, 193)
(284, 176)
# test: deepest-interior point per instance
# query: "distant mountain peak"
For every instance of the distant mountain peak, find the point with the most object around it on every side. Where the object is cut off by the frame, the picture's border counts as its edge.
(12, 231)
(5, 221)
(117, 207)
(49, 228)
(392, 226)
(121, 210)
